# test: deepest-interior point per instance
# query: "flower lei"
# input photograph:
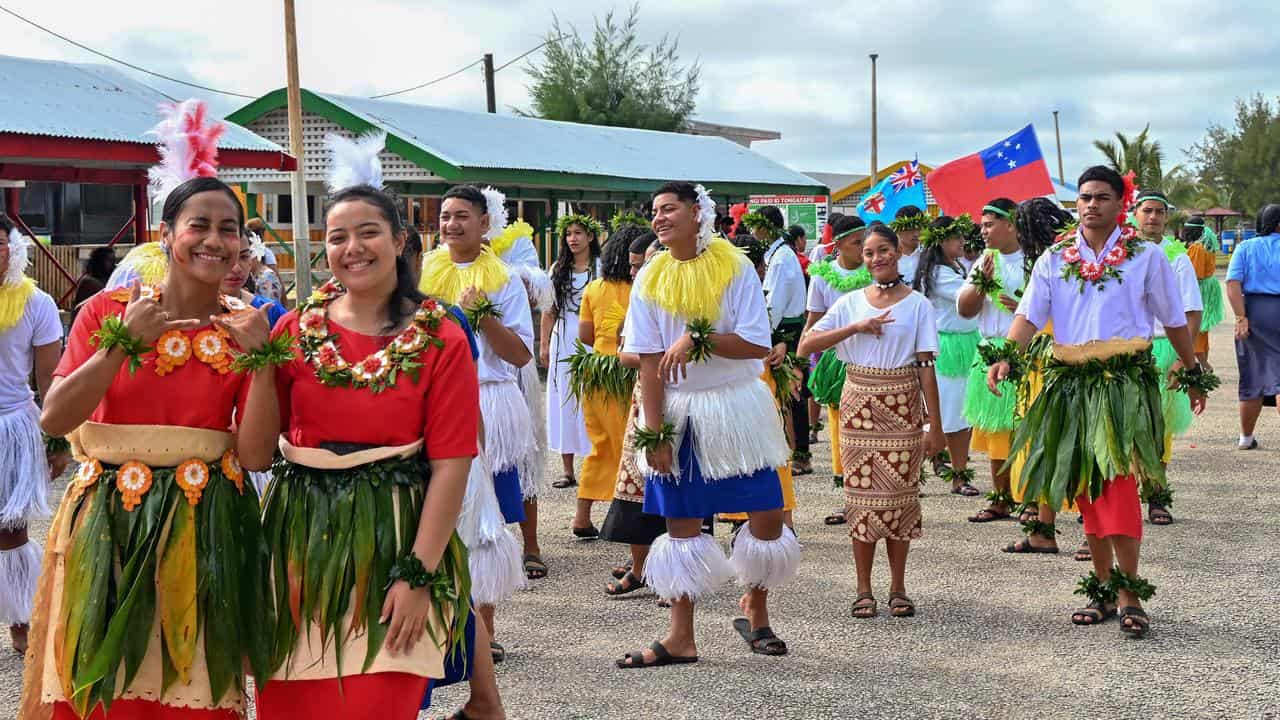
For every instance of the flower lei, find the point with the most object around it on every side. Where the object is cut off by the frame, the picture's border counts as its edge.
(1097, 273)
(840, 282)
(379, 370)
(174, 348)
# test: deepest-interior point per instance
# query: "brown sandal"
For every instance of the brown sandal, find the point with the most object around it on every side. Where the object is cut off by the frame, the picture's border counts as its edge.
(864, 606)
(901, 606)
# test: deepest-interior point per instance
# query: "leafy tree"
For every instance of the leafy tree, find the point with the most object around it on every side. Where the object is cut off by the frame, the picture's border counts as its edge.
(1242, 163)
(1140, 154)
(613, 79)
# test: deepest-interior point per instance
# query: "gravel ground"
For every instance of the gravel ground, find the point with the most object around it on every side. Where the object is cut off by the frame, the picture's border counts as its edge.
(992, 637)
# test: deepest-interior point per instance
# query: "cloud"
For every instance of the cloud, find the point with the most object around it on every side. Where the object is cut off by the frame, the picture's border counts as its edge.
(953, 77)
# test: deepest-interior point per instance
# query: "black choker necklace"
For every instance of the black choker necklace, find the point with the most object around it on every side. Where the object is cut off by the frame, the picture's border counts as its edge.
(891, 284)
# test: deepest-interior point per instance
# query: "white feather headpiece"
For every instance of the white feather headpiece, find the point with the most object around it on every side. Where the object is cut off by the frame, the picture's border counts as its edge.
(188, 147)
(706, 217)
(355, 162)
(19, 258)
(496, 205)
(257, 248)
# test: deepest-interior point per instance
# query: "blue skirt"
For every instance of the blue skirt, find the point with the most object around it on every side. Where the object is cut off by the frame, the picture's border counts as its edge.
(457, 666)
(693, 496)
(510, 498)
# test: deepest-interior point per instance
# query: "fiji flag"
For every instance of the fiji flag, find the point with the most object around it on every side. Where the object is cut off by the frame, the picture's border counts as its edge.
(903, 187)
(1013, 168)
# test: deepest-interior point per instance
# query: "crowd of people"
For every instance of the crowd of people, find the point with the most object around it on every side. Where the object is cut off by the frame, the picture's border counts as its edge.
(321, 498)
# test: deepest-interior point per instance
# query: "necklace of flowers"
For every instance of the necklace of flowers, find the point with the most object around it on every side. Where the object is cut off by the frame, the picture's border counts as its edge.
(841, 283)
(377, 371)
(1097, 273)
(211, 346)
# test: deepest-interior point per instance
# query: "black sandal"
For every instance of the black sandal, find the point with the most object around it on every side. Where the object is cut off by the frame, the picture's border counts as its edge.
(1094, 613)
(660, 657)
(1159, 514)
(864, 606)
(590, 532)
(1028, 513)
(499, 652)
(628, 583)
(620, 570)
(1083, 553)
(762, 641)
(986, 515)
(835, 518)
(565, 481)
(1024, 546)
(1134, 621)
(965, 489)
(534, 567)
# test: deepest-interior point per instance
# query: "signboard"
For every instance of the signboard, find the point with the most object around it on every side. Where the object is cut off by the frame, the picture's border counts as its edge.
(807, 211)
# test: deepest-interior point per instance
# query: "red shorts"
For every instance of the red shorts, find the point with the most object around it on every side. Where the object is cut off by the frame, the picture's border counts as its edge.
(143, 710)
(376, 696)
(1118, 511)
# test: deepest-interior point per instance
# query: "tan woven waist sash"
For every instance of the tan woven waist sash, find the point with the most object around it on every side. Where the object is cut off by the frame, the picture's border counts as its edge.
(153, 445)
(322, 459)
(1099, 350)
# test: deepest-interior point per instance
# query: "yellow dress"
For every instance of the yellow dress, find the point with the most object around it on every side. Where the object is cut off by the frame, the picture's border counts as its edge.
(604, 304)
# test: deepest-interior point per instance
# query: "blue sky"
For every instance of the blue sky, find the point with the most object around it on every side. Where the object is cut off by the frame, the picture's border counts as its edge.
(954, 77)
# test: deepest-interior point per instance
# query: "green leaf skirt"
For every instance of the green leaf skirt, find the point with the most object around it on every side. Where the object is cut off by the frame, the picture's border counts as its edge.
(1175, 405)
(984, 410)
(1091, 423)
(333, 536)
(826, 380)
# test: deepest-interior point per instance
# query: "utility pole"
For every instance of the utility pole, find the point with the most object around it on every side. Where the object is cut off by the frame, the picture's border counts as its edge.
(1058, 136)
(298, 186)
(875, 168)
(490, 95)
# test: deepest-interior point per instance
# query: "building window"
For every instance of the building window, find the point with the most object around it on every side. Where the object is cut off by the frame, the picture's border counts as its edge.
(284, 209)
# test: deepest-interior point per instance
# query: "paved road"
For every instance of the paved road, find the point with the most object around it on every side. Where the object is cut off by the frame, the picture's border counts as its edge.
(992, 637)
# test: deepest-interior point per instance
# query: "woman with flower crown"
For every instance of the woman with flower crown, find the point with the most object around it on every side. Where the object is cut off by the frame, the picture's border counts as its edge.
(149, 605)
(380, 415)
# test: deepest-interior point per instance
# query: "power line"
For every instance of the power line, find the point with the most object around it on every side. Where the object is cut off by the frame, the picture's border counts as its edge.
(442, 78)
(130, 65)
(529, 52)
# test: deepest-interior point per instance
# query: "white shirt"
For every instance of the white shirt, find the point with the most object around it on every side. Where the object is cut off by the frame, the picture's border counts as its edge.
(513, 303)
(820, 252)
(650, 329)
(912, 331)
(993, 320)
(522, 252)
(268, 257)
(946, 290)
(1120, 310)
(1188, 286)
(783, 283)
(38, 325)
(821, 295)
(907, 265)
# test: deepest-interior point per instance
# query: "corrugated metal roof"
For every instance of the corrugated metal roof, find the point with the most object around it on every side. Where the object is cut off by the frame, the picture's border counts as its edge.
(483, 140)
(89, 102)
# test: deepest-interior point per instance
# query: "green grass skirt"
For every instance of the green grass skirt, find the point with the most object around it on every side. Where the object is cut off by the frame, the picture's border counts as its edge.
(956, 353)
(1092, 423)
(826, 380)
(334, 535)
(210, 556)
(984, 410)
(1214, 304)
(1175, 405)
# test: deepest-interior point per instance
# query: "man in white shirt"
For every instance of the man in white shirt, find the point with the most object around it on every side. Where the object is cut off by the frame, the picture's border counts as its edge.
(1103, 288)
(30, 340)
(907, 223)
(785, 294)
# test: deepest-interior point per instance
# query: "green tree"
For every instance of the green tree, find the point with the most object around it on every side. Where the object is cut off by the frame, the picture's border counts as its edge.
(1140, 154)
(613, 79)
(1242, 163)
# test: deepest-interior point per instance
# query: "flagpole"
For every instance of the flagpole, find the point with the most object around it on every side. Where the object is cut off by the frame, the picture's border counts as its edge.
(1058, 136)
(875, 168)
(298, 183)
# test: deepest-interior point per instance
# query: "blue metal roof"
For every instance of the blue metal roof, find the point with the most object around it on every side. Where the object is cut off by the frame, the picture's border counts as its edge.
(91, 102)
(484, 140)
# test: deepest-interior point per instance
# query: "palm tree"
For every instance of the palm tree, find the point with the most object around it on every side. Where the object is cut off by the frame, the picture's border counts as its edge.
(1140, 154)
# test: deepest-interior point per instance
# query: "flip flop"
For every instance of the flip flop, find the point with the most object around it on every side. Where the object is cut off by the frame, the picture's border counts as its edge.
(762, 641)
(660, 657)
(1024, 546)
(835, 518)
(590, 532)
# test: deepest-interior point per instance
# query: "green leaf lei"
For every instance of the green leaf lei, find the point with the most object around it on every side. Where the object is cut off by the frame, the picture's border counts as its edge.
(647, 440)
(113, 333)
(991, 287)
(627, 217)
(277, 351)
(700, 333)
(754, 220)
(840, 282)
(483, 308)
(592, 372)
(592, 225)
(1197, 378)
(55, 445)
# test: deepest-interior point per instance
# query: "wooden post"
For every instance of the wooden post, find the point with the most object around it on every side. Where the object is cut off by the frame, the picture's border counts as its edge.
(298, 189)
(491, 97)
(140, 207)
(875, 167)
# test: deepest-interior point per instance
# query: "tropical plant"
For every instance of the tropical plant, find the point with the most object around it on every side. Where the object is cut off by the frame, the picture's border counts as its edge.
(1140, 154)
(613, 79)
(1242, 163)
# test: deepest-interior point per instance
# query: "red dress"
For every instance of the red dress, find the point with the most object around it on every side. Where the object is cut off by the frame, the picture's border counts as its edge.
(194, 394)
(441, 407)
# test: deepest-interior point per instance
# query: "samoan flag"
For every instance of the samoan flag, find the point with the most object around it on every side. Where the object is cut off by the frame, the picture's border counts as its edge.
(1013, 168)
(903, 187)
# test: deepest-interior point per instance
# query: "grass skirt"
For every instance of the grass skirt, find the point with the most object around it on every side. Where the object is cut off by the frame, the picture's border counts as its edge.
(982, 408)
(1175, 405)
(827, 379)
(1214, 305)
(956, 353)
(24, 469)
(1092, 422)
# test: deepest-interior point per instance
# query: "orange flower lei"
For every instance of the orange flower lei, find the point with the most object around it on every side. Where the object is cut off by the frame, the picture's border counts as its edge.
(133, 480)
(173, 349)
(377, 371)
(193, 477)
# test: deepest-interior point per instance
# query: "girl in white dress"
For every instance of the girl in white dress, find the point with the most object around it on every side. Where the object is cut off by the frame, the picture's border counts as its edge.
(575, 266)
